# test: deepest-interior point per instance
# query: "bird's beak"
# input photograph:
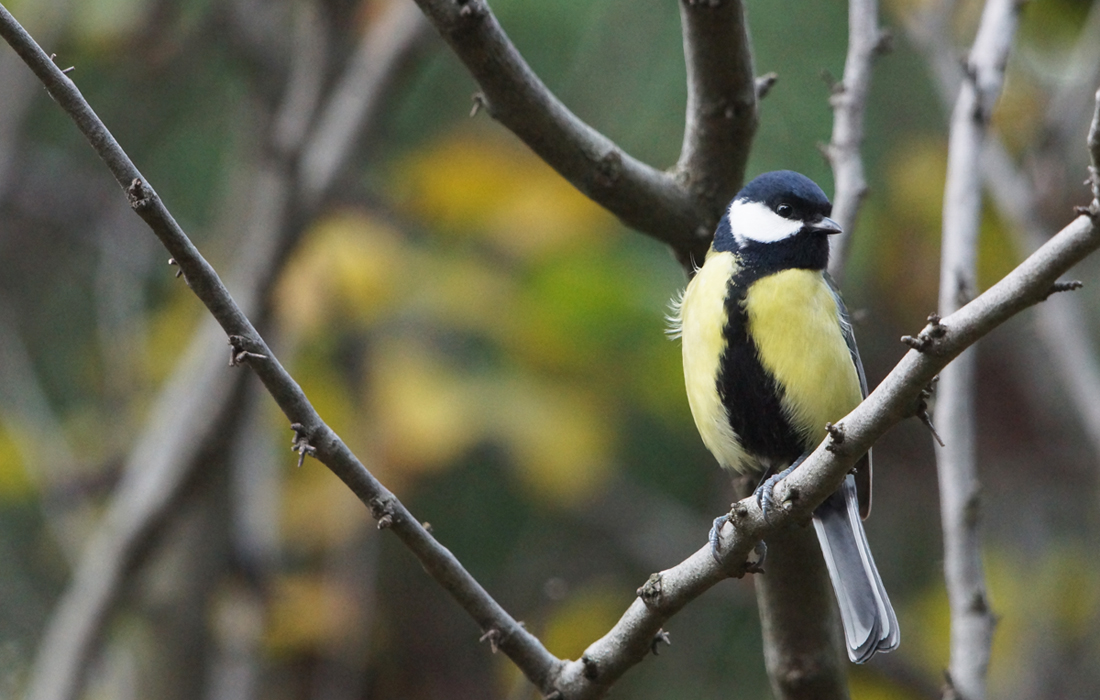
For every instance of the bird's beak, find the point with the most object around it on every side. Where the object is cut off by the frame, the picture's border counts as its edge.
(826, 225)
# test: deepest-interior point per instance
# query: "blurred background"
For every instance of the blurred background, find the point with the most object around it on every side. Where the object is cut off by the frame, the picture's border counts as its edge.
(490, 343)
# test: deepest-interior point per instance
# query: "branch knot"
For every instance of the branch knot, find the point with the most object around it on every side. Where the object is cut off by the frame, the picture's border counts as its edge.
(651, 591)
(238, 355)
(139, 195)
(928, 340)
(382, 510)
(301, 444)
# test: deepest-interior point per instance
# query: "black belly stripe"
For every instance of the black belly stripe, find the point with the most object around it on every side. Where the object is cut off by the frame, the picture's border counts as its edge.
(749, 393)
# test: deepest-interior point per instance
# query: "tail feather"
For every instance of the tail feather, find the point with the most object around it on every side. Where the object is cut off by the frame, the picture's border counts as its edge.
(869, 622)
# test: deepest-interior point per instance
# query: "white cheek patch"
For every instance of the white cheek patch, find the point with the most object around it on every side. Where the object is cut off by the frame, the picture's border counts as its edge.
(754, 221)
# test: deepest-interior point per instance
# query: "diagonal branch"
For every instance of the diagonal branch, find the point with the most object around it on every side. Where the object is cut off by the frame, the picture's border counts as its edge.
(630, 640)
(184, 419)
(972, 620)
(649, 200)
(891, 402)
(721, 103)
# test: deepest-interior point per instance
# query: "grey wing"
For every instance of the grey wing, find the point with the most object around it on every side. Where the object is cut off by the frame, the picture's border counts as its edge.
(849, 334)
(863, 466)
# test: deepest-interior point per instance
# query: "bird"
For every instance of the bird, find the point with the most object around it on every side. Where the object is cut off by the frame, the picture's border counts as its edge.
(769, 359)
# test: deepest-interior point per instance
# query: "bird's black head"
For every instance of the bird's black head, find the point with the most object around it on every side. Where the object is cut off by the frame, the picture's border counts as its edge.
(778, 221)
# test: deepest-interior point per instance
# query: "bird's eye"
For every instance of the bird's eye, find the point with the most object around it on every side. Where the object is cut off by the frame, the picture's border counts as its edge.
(784, 210)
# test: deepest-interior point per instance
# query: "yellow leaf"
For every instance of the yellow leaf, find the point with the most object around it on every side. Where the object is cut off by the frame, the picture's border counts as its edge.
(425, 413)
(14, 482)
(471, 184)
(349, 267)
(561, 439)
(582, 618)
(308, 612)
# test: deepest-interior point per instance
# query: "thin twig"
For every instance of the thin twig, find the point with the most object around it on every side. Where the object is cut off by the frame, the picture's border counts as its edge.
(972, 621)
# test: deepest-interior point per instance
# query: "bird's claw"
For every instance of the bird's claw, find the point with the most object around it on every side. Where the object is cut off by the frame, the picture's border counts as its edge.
(715, 536)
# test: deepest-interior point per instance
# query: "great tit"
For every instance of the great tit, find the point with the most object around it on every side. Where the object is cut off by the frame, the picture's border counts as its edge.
(769, 359)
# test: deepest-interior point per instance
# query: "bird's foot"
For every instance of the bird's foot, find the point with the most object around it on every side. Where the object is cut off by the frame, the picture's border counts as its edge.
(714, 537)
(752, 566)
(763, 493)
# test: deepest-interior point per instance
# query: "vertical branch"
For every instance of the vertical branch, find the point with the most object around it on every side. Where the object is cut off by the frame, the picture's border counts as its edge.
(798, 614)
(849, 100)
(972, 621)
(803, 640)
(721, 114)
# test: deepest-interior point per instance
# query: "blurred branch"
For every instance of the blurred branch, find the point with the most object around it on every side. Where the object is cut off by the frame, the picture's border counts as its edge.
(652, 201)
(42, 445)
(183, 420)
(849, 102)
(721, 101)
(1070, 102)
(389, 39)
(1063, 326)
(972, 620)
(799, 620)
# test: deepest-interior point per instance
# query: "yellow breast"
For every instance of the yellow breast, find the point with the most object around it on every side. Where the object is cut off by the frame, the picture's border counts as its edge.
(702, 318)
(793, 319)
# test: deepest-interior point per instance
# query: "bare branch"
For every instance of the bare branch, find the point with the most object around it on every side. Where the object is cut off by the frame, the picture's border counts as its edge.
(631, 639)
(849, 102)
(972, 621)
(646, 199)
(184, 419)
(721, 104)
(1062, 326)
(894, 400)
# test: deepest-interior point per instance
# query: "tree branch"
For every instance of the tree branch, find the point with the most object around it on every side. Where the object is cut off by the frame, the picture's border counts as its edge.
(972, 621)
(630, 640)
(798, 613)
(849, 102)
(646, 199)
(183, 419)
(1062, 327)
(803, 644)
(721, 104)
(894, 400)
